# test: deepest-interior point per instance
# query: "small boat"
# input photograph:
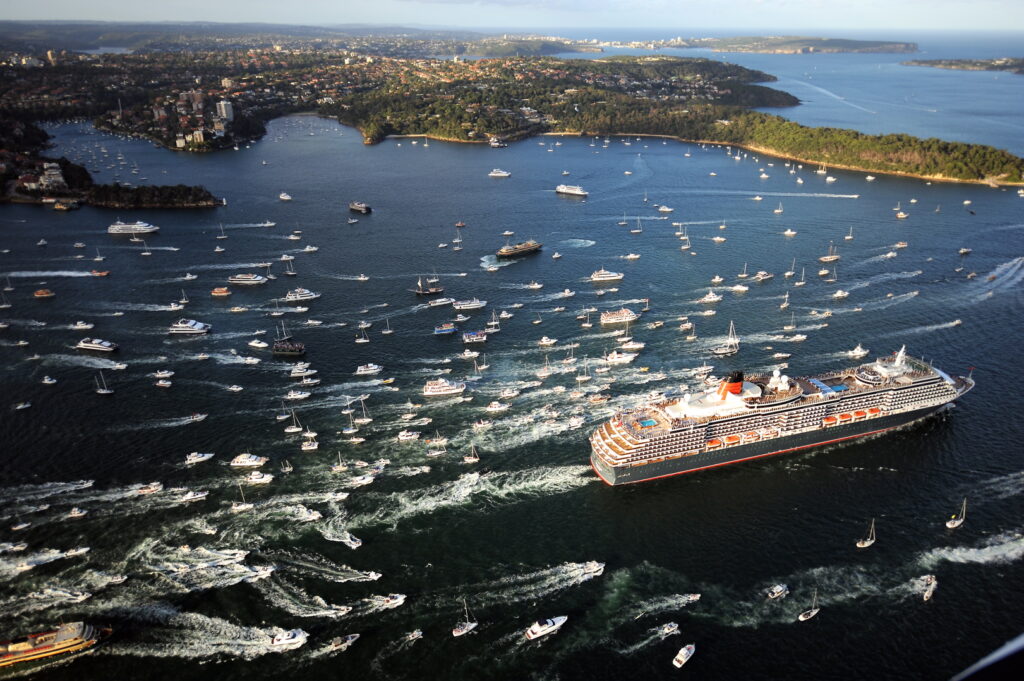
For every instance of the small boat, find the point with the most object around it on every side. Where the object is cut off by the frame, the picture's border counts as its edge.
(930, 584)
(550, 626)
(289, 639)
(812, 611)
(393, 600)
(684, 654)
(101, 386)
(778, 211)
(958, 519)
(467, 625)
(778, 591)
(870, 538)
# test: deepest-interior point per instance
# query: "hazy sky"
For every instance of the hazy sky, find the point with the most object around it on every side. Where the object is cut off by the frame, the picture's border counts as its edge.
(753, 16)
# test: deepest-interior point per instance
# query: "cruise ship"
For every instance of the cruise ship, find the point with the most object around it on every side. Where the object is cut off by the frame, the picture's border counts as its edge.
(571, 190)
(441, 386)
(189, 327)
(66, 638)
(745, 418)
(510, 251)
(132, 228)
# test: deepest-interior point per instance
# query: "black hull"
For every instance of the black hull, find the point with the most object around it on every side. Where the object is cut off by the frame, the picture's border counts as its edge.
(525, 251)
(625, 475)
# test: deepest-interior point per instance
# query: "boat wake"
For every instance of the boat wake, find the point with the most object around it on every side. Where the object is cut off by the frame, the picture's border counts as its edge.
(886, 276)
(151, 425)
(921, 329)
(577, 243)
(487, 489)
(49, 273)
(317, 566)
(292, 599)
(19, 493)
(1006, 277)
(172, 633)
(829, 93)
(1003, 548)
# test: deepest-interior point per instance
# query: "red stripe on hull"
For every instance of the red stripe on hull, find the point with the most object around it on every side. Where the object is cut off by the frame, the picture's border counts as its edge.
(749, 458)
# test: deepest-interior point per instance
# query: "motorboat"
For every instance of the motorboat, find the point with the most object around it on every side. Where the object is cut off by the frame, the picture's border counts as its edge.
(189, 327)
(295, 638)
(370, 369)
(96, 344)
(197, 457)
(545, 627)
(393, 600)
(247, 460)
(777, 591)
(151, 488)
(258, 478)
(684, 654)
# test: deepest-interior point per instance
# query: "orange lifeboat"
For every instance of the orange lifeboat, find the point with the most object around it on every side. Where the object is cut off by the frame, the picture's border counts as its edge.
(221, 291)
(714, 444)
(830, 420)
(732, 439)
(44, 293)
(845, 417)
(858, 415)
(874, 411)
(97, 273)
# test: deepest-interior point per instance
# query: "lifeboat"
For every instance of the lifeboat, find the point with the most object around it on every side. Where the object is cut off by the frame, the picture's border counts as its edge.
(221, 291)
(829, 421)
(845, 417)
(874, 411)
(859, 415)
(44, 293)
(751, 436)
(714, 444)
(97, 273)
(732, 439)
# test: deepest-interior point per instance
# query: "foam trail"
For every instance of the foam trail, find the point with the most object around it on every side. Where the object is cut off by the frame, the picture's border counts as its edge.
(921, 329)
(161, 423)
(1000, 549)
(57, 273)
(315, 565)
(833, 95)
(295, 601)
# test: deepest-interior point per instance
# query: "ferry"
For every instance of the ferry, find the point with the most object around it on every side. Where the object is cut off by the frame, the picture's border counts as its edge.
(139, 227)
(441, 386)
(571, 190)
(619, 316)
(247, 279)
(758, 415)
(67, 638)
(299, 294)
(510, 251)
(445, 329)
(473, 304)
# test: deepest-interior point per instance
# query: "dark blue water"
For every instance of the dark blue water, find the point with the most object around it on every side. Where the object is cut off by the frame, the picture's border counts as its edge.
(507, 534)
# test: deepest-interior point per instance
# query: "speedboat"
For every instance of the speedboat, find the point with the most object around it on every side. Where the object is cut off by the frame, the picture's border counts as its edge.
(343, 642)
(193, 495)
(48, 380)
(778, 591)
(76, 512)
(684, 654)
(296, 395)
(930, 584)
(550, 626)
(393, 600)
(350, 540)
(668, 629)
(295, 638)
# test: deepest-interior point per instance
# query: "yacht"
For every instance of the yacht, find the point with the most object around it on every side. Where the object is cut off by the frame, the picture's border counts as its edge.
(189, 327)
(96, 344)
(258, 478)
(284, 196)
(197, 457)
(247, 460)
(790, 232)
(711, 297)
(544, 341)
(299, 294)
(550, 626)
(778, 591)
(441, 386)
(684, 654)
(192, 495)
(48, 380)
(296, 395)
(247, 279)
(473, 304)
(295, 638)
(81, 326)
(368, 369)
(603, 275)
(498, 172)
(151, 488)
(571, 190)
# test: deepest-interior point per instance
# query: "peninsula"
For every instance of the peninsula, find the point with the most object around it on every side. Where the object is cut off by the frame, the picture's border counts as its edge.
(1010, 64)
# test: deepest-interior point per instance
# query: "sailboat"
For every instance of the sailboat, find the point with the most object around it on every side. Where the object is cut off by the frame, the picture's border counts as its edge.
(791, 272)
(585, 375)
(99, 258)
(466, 625)
(289, 270)
(870, 538)
(958, 520)
(472, 457)
(623, 223)
(743, 274)
(350, 428)
(808, 614)
(295, 426)
(243, 505)
(101, 386)
(222, 235)
(387, 330)
(638, 229)
(792, 322)
(538, 320)
(685, 239)
(587, 324)
(184, 298)
(803, 279)
(8, 286)
(365, 418)
(832, 254)
(732, 344)
(145, 249)
(778, 211)
(785, 302)
(849, 237)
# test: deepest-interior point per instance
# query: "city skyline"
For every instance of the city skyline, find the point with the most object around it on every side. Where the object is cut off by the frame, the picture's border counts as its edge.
(672, 16)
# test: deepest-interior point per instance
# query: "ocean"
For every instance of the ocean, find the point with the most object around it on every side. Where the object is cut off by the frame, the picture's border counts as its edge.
(510, 534)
